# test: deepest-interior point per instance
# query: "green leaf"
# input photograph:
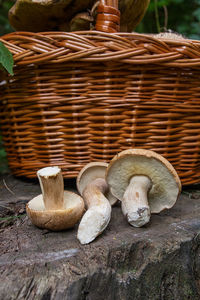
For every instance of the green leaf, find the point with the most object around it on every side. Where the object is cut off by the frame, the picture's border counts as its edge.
(6, 59)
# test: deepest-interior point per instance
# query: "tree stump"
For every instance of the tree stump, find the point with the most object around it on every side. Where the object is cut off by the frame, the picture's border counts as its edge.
(158, 261)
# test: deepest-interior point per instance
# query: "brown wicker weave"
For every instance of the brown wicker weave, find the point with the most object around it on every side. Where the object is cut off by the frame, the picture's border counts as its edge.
(85, 96)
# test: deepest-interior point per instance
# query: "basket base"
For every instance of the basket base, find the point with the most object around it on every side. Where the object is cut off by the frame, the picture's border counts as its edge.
(188, 177)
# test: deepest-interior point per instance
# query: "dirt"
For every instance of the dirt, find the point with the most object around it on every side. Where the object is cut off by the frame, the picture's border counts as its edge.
(158, 261)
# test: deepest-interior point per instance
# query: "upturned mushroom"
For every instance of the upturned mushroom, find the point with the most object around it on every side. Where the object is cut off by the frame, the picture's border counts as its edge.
(55, 209)
(145, 182)
(92, 186)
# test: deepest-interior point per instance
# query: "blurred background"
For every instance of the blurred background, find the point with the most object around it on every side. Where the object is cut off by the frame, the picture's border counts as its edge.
(177, 15)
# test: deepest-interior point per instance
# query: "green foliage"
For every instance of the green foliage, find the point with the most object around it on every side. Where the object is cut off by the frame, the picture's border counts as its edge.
(6, 63)
(6, 59)
(178, 15)
(5, 5)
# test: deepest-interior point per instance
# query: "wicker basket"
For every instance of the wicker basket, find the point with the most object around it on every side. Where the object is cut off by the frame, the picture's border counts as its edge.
(85, 96)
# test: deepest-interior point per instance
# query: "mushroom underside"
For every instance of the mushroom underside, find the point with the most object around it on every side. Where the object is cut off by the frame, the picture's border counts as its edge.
(56, 219)
(165, 188)
(91, 172)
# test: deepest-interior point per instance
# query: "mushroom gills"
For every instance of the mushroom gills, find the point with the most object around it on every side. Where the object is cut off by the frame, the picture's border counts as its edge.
(70, 201)
(55, 209)
(144, 181)
(58, 219)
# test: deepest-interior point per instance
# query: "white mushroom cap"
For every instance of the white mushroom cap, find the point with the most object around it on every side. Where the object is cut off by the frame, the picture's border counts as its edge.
(58, 219)
(89, 173)
(166, 184)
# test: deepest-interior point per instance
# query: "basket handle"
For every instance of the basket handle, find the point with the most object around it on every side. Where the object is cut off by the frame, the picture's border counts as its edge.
(108, 16)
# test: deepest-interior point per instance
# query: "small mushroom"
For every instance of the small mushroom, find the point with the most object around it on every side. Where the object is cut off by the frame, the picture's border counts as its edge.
(145, 182)
(55, 209)
(92, 186)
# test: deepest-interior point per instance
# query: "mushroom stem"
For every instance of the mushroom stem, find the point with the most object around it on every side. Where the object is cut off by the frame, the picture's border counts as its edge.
(52, 186)
(135, 201)
(97, 217)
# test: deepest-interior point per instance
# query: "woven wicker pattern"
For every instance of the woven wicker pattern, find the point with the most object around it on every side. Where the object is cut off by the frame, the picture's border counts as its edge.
(108, 16)
(85, 96)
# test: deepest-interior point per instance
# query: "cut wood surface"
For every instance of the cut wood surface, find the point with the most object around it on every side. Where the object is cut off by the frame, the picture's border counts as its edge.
(158, 261)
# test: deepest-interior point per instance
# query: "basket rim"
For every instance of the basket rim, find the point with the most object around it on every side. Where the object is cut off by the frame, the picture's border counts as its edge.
(97, 47)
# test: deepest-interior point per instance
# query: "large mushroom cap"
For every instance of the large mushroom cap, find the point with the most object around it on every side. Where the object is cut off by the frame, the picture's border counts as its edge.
(89, 173)
(56, 219)
(46, 15)
(166, 184)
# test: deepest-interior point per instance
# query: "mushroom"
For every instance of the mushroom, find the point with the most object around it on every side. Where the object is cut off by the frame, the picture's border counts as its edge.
(145, 182)
(55, 209)
(49, 15)
(92, 186)
(66, 15)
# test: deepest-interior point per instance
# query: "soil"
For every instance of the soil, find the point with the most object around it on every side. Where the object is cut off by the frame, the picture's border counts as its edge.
(158, 261)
